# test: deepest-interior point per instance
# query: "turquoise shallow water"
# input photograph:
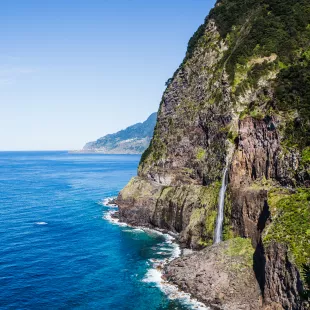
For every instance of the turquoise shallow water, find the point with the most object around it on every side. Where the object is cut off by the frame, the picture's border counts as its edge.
(57, 251)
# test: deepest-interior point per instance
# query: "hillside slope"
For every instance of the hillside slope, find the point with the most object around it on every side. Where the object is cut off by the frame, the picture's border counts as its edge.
(132, 140)
(241, 100)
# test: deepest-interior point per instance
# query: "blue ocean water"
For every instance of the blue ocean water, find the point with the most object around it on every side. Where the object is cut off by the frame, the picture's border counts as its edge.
(57, 251)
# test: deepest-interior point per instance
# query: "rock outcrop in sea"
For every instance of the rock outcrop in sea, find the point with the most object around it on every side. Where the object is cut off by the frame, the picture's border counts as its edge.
(241, 100)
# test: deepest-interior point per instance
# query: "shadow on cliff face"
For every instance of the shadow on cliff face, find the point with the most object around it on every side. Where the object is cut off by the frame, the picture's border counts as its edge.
(273, 262)
(259, 260)
(306, 271)
(259, 264)
(263, 219)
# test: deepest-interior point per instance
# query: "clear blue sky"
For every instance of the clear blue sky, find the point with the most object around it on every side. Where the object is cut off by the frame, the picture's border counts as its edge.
(72, 71)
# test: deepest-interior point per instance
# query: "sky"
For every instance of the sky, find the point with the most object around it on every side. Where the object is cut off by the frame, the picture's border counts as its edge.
(72, 71)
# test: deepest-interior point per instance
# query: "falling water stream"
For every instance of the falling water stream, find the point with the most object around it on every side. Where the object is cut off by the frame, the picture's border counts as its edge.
(220, 215)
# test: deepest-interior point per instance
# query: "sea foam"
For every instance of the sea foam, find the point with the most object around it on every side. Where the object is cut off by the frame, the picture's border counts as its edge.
(41, 223)
(106, 202)
(109, 217)
(154, 273)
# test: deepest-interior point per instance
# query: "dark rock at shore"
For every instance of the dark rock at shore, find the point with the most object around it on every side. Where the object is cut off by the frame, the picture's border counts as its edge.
(112, 202)
(115, 215)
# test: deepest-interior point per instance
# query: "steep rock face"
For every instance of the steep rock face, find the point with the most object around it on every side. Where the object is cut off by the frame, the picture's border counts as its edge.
(249, 211)
(188, 210)
(236, 101)
(188, 146)
(258, 166)
(259, 154)
(281, 283)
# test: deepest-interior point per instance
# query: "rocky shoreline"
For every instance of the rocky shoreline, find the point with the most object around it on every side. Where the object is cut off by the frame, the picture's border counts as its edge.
(170, 287)
(212, 273)
(220, 277)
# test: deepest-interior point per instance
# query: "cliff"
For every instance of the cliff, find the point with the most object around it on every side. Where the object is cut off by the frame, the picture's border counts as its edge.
(240, 99)
(133, 140)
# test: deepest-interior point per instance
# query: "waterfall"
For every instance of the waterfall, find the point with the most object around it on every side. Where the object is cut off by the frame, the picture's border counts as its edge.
(220, 214)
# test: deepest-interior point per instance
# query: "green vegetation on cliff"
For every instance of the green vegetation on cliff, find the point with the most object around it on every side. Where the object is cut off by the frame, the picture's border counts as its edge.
(227, 227)
(290, 223)
(241, 247)
(261, 28)
(293, 93)
(209, 202)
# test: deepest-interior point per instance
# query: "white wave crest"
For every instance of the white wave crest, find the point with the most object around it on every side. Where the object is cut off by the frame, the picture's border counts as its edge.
(109, 217)
(40, 223)
(154, 273)
(106, 202)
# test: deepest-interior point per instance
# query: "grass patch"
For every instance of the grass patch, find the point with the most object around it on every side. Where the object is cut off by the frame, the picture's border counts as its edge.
(241, 247)
(290, 223)
(201, 153)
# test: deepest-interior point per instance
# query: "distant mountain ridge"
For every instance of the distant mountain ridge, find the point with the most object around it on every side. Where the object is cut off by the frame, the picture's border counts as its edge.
(132, 140)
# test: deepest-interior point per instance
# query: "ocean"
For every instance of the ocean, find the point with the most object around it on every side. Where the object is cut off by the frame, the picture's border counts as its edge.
(59, 247)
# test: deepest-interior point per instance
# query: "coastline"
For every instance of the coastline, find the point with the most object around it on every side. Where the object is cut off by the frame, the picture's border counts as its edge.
(155, 274)
(101, 152)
